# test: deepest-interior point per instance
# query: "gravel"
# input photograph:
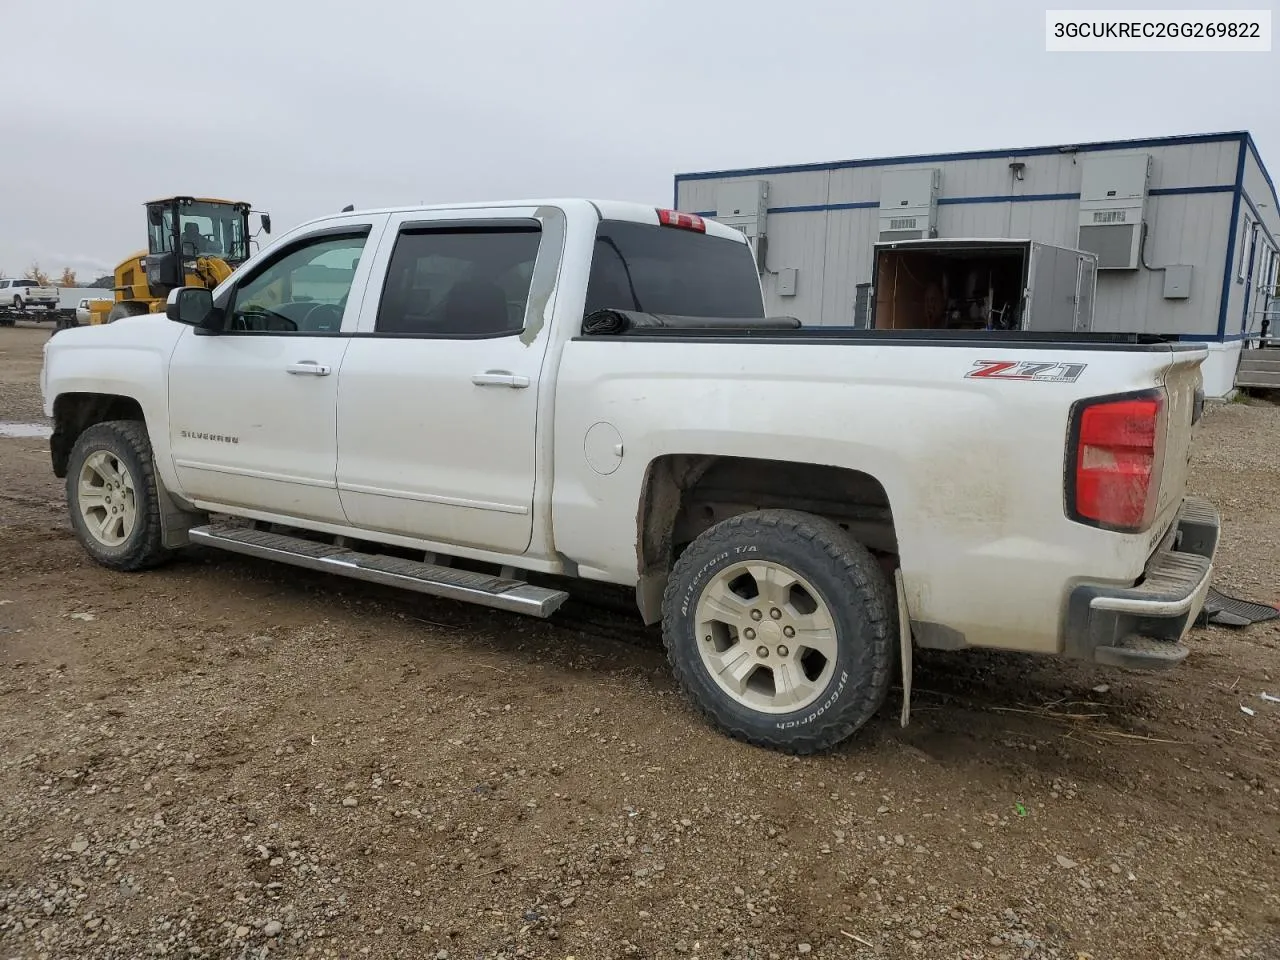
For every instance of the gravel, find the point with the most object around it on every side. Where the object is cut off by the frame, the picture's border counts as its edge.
(176, 774)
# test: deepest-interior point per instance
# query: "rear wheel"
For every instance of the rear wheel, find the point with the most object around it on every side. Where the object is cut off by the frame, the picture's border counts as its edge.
(127, 308)
(779, 627)
(112, 496)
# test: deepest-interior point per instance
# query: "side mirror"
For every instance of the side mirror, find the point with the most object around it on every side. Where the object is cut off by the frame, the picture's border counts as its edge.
(266, 223)
(193, 306)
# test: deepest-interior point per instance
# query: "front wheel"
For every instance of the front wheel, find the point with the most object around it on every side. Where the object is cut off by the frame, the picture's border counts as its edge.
(779, 626)
(112, 496)
(18, 304)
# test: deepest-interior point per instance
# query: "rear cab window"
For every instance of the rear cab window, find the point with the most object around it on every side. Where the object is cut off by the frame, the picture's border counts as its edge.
(657, 269)
(459, 281)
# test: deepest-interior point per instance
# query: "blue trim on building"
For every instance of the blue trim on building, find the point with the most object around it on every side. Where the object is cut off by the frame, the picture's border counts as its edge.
(1231, 240)
(1237, 135)
(1182, 191)
(1209, 338)
(1009, 198)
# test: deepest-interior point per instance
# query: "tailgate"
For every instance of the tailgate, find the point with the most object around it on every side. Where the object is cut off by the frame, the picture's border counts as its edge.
(1185, 399)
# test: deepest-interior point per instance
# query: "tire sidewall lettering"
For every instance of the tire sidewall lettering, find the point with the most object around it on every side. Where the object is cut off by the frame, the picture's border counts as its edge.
(815, 714)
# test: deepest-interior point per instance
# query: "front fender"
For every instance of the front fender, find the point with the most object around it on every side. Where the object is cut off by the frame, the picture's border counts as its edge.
(127, 359)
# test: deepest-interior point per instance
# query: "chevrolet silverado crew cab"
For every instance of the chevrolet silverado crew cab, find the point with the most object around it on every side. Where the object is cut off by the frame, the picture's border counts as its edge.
(483, 402)
(23, 294)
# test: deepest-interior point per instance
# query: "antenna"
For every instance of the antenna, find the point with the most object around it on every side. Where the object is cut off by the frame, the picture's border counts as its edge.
(348, 208)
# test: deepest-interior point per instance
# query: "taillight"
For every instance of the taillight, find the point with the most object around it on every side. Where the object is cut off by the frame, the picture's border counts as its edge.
(685, 221)
(1118, 454)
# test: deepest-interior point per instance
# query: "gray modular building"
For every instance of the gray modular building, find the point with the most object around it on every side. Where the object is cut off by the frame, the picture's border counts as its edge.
(1185, 229)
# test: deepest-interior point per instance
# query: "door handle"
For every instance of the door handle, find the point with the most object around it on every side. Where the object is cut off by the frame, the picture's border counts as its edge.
(309, 368)
(500, 378)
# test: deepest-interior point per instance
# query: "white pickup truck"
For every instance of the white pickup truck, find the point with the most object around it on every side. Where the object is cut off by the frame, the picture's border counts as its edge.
(483, 401)
(25, 294)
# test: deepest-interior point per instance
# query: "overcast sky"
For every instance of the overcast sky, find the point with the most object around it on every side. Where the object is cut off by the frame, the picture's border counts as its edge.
(304, 106)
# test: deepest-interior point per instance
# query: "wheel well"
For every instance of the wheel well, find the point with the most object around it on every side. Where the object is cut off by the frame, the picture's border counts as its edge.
(686, 494)
(74, 413)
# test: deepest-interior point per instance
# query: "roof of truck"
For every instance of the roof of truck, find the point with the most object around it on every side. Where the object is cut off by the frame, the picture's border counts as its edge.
(604, 209)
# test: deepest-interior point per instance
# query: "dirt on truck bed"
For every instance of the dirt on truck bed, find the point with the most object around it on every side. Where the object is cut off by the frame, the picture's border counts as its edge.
(227, 758)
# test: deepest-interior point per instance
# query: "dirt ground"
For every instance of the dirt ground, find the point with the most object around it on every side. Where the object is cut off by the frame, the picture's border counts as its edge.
(226, 758)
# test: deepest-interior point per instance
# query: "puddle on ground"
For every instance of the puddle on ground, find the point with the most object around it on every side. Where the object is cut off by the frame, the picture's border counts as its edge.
(24, 430)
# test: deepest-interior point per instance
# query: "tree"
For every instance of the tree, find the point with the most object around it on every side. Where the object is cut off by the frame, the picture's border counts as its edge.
(35, 273)
(68, 278)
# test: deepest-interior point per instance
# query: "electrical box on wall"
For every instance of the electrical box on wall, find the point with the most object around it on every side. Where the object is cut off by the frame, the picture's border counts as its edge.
(909, 204)
(787, 282)
(1113, 197)
(744, 205)
(1177, 281)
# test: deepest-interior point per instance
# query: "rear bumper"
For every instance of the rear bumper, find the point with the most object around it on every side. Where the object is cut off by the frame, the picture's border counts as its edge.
(1142, 627)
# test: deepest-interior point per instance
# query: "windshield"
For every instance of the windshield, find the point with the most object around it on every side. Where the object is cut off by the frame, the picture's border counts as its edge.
(203, 229)
(654, 269)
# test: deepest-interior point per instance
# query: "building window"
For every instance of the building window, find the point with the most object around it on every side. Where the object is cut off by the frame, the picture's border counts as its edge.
(1246, 236)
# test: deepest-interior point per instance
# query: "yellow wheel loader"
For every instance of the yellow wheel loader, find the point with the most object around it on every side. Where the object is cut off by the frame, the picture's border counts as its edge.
(192, 242)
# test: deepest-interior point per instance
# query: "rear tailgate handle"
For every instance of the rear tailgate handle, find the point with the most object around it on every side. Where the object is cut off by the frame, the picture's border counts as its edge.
(500, 378)
(309, 368)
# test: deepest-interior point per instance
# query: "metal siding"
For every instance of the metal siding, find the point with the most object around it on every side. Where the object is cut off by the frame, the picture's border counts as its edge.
(849, 236)
(796, 240)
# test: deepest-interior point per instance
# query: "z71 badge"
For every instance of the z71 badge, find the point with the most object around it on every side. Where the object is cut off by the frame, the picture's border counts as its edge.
(1037, 370)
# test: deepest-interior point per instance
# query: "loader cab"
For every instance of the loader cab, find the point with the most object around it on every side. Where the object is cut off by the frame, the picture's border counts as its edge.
(182, 229)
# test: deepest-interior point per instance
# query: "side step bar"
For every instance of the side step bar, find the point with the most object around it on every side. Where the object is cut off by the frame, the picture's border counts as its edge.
(515, 596)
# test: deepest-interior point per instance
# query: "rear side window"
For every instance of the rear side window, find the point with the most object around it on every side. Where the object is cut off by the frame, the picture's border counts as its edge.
(652, 269)
(469, 282)
(24, 283)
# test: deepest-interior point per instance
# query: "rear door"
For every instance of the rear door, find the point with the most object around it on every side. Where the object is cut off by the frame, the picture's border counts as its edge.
(438, 394)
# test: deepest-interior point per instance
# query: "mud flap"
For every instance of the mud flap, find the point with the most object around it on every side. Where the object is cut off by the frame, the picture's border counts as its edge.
(904, 646)
(174, 520)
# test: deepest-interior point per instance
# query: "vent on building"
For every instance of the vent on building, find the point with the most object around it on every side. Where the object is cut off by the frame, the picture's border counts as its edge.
(909, 204)
(744, 205)
(1113, 245)
(1113, 196)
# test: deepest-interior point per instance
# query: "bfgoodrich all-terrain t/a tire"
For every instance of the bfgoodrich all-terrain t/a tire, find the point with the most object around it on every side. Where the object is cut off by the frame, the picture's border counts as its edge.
(780, 628)
(111, 494)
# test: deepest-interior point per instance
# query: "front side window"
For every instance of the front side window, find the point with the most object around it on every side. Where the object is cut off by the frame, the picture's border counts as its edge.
(459, 283)
(305, 291)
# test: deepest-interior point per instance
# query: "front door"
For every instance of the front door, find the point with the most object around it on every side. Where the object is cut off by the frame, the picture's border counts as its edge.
(438, 396)
(253, 407)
